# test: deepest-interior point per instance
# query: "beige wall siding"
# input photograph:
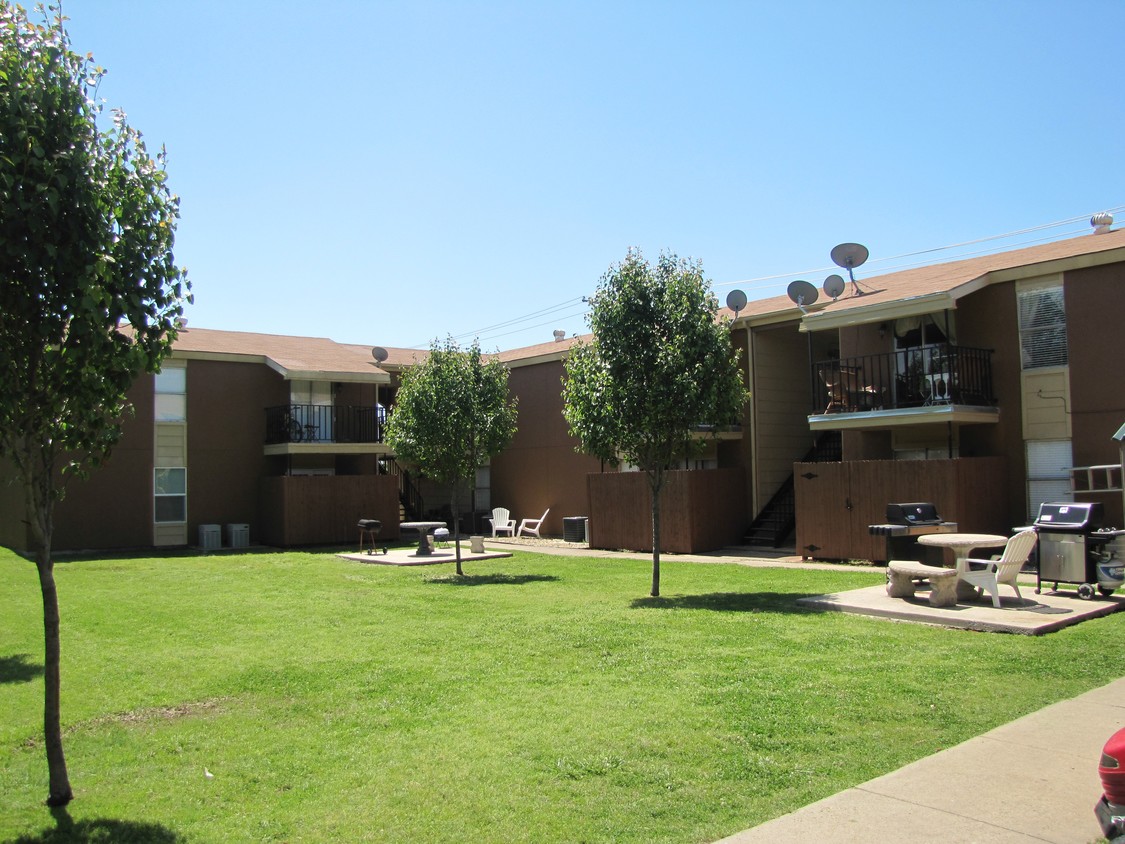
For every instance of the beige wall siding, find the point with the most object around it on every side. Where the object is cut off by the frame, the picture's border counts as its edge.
(781, 403)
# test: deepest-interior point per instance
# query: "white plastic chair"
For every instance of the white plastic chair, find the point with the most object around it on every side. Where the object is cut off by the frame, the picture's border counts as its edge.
(989, 574)
(531, 526)
(502, 522)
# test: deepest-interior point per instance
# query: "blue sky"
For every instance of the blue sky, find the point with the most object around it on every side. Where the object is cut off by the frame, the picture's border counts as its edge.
(390, 172)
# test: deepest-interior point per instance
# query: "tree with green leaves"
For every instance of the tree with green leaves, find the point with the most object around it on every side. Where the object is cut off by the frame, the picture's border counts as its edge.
(89, 293)
(659, 366)
(452, 413)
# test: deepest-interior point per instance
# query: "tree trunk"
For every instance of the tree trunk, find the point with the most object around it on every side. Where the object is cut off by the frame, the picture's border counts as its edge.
(59, 792)
(657, 482)
(456, 527)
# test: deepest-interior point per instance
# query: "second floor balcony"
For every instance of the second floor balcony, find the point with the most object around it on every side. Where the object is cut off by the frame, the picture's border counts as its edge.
(919, 383)
(313, 424)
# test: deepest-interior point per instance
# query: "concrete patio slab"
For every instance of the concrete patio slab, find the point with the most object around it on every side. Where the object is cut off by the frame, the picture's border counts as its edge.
(1034, 615)
(409, 556)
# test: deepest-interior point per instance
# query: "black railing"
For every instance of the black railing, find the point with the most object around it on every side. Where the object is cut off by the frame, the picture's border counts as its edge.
(314, 423)
(928, 376)
(408, 495)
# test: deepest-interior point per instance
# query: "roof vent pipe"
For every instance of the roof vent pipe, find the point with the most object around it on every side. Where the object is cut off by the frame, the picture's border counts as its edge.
(1101, 222)
(559, 335)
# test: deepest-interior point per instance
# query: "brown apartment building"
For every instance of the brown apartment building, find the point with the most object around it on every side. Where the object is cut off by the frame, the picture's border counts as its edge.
(985, 385)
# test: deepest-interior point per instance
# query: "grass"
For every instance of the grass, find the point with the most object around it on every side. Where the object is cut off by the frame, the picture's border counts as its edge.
(538, 698)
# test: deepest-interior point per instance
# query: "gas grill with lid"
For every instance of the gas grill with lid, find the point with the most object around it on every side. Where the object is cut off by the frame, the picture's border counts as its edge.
(1075, 548)
(906, 522)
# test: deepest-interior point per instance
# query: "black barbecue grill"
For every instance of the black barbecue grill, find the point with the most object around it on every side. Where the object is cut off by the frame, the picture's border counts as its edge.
(1073, 544)
(905, 523)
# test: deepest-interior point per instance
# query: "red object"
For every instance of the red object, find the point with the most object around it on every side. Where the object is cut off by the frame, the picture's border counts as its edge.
(1112, 768)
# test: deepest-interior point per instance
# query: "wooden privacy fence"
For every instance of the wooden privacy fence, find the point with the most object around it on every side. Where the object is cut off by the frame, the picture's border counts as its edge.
(700, 510)
(324, 510)
(837, 501)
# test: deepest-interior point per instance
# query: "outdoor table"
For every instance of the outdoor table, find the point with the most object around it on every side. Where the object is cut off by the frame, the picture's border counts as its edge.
(423, 529)
(962, 545)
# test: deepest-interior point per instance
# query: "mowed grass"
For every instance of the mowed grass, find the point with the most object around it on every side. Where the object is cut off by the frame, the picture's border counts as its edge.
(540, 698)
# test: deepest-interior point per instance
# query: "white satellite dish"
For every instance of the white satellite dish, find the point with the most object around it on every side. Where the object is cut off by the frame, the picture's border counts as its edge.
(736, 301)
(833, 286)
(379, 353)
(802, 293)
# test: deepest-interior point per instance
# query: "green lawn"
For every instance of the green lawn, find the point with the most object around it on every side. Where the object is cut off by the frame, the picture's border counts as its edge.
(538, 699)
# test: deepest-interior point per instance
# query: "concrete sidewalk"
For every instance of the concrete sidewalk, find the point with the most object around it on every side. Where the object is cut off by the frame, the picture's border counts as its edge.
(1033, 780)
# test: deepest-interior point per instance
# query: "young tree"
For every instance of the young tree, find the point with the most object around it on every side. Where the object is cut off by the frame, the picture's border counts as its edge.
(89, 293)
(660, 365)
(451, 414)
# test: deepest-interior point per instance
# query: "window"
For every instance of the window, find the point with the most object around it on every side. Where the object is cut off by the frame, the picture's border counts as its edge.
(1042, 321)
(170, 488)
(171, 394)
(1048, 473)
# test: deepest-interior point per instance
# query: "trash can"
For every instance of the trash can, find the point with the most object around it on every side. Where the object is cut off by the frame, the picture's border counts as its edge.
(574, 528)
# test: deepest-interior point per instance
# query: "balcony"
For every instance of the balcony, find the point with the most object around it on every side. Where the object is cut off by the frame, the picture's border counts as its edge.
(312, 425)
(942, 382)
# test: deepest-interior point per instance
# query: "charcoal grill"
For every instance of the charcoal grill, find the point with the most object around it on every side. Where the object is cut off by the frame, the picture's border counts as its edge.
(905, 523)
(1074, 547)
(368, 534)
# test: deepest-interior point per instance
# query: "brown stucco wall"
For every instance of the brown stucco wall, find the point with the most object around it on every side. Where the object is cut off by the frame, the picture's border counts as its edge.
(1095, 314)
(540, 469)
(987, 319)
(226, 432)
(113, 507)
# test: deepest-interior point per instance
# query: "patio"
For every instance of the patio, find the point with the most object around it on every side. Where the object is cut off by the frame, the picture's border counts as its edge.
(1034, 615)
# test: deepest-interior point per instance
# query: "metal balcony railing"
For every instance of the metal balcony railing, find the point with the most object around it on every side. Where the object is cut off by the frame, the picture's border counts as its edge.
(314, 423)
(935, 375)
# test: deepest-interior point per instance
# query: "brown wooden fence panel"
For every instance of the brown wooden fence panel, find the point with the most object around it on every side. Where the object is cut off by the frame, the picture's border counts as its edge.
(837, 501)
(701, 510)
(324, 510)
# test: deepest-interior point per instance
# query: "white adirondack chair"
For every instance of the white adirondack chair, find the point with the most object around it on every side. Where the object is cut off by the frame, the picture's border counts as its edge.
(502, 522)
(531, 526)
(989, 574)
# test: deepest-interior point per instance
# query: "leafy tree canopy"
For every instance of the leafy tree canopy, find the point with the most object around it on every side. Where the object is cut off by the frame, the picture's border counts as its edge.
(451, 414)
(89, 291)
(659, 366)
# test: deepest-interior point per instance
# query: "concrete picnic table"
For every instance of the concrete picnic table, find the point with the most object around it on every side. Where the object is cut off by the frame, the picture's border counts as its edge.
(962, 545)
(423, 529)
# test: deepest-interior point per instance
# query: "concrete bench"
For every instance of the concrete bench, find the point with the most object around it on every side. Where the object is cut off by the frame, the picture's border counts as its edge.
(903, 576)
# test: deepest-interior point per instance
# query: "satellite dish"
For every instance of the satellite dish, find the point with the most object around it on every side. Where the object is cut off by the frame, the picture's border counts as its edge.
(379, 353)
(833, 286)
(736, 301)
(803, 293)
(850, 256)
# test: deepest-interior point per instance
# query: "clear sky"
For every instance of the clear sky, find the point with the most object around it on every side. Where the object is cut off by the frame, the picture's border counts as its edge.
(389, 172)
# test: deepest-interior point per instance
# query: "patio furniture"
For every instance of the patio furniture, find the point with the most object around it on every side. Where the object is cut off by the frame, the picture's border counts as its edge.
(502, 522)
(989, 574)
(531, 526)
(423, 529)
(904, 575)
(962, 544)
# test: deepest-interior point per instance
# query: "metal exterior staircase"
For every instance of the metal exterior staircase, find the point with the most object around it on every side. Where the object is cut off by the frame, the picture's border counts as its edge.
(778, 519)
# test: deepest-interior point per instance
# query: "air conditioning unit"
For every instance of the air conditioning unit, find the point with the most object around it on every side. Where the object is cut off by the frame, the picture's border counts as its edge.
(209, 538)
(238, 536)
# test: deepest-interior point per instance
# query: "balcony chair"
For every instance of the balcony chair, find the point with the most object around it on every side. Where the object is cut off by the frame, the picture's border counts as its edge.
(531, 526)
(989, 574)
(502, 522)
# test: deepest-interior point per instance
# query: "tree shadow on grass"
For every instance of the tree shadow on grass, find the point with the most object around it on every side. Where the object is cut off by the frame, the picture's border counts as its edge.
(19, 669)
(100, 831)
(486, 579)
(773, 602)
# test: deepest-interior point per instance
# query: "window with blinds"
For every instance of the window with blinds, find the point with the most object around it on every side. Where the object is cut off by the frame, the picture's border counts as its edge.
(1048, 473)
(1042, 324)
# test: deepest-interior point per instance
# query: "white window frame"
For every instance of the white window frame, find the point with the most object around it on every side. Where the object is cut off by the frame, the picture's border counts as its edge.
(157, 495)
(1039, 347)
(170, 394)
